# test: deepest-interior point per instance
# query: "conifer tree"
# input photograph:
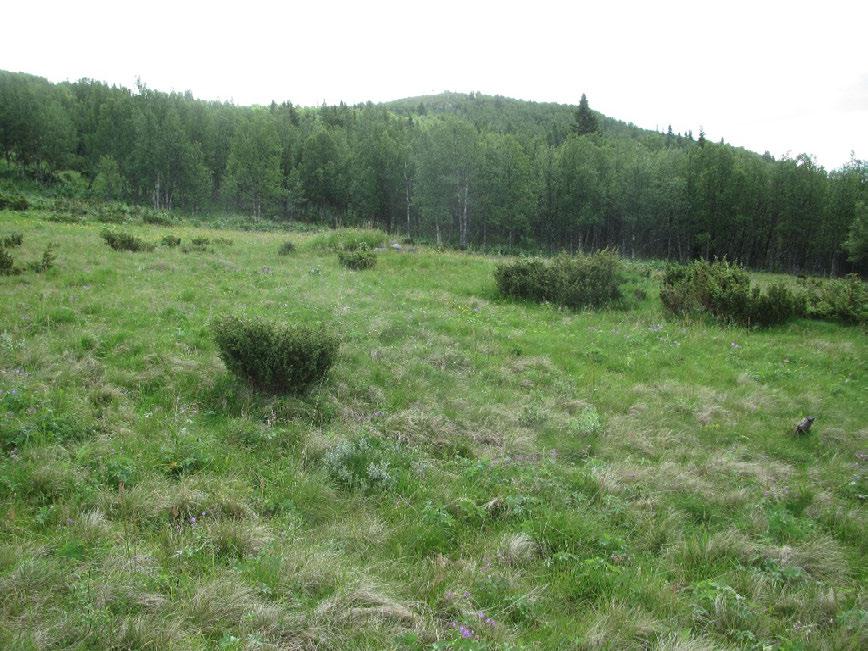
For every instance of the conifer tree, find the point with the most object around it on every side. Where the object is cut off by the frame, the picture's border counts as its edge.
(586, 120)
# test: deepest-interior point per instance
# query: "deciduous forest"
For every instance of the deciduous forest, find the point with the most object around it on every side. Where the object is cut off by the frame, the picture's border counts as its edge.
(465, 170)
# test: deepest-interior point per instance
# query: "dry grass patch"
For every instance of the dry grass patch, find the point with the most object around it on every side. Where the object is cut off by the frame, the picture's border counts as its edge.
(518, 549)
(365, 607)
(822, 558)
(684, 642)
(619, 626)
(234, 539)
(425, 428)
(225, 604)
(33, 581)
(771, 476)
(151, 631)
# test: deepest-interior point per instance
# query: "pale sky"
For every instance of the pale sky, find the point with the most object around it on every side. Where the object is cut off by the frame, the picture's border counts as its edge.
(782, 76)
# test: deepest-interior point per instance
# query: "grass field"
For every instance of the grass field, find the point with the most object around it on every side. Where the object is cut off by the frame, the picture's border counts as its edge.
(475, 473)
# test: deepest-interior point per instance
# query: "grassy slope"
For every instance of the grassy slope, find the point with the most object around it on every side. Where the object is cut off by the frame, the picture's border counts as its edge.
(593, 479)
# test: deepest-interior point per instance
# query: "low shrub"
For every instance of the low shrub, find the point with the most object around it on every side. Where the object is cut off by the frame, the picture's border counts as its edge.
(13, 202)
(7, 263)
(157, 218)
(361, 464)
(276, 357)
(836, 299)
(526, 278)
(76, 210)
(121, 241)
(349, 239)
(573, 281)
(11, 240)
(107, 213)
(70, 183)
(778, 304)
(170, 240)
(723, 290)
(677, 291)
(198, 245)
(286, 248)
(357, 259)
(45, 263)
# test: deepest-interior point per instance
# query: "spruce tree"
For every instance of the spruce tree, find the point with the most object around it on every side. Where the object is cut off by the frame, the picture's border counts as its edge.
(586, 120)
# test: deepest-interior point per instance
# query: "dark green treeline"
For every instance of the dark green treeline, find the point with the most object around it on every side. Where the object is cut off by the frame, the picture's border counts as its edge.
(471, 170)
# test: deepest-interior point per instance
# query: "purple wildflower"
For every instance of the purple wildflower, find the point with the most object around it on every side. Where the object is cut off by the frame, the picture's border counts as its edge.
(465, 632)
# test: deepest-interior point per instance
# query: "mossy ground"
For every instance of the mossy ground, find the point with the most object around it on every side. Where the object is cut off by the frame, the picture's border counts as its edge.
(524, 476)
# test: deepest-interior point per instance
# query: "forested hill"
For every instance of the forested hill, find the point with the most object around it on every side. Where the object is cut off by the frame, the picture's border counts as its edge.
(546, 121)
(467, 170)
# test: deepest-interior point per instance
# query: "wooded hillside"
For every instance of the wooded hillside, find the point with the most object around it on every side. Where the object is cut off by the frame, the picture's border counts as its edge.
(468, 170)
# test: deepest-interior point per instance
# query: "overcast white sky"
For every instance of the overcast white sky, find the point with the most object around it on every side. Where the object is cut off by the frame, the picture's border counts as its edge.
(783, 76)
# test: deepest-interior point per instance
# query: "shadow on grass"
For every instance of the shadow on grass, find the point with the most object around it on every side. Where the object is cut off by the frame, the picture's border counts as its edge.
(229, 396)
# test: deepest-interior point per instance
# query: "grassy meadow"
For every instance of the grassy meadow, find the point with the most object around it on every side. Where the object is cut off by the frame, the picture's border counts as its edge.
(475, 473)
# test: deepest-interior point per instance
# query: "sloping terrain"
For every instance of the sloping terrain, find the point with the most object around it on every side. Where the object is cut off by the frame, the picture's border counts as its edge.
(475, 473)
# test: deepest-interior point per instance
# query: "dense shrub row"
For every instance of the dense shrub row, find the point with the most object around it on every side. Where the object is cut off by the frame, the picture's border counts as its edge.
(285, 358)
(836, 299)
(357, 259)
(66, 209)
(723, 290)
(573, 281)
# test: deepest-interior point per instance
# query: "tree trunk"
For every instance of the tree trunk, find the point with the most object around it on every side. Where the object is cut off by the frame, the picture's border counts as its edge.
(462, 220)
(407, 193)
(155, 197)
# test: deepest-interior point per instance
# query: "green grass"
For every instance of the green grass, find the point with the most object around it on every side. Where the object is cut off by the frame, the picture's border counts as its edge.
(544, 478)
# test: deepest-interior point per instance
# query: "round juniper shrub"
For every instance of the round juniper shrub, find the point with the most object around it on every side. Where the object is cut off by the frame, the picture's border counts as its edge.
(273, 356)
(286, 248)
(723, 290)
